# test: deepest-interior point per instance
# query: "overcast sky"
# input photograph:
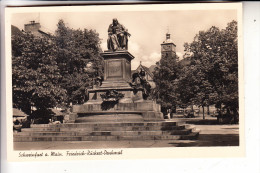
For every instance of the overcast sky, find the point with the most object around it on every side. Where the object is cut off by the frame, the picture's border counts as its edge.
(148, 28)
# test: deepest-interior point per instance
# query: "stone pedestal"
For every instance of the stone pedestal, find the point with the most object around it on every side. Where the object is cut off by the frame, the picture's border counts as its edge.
(132, 107)
(117, 75)
(117, 70)
(117, 64)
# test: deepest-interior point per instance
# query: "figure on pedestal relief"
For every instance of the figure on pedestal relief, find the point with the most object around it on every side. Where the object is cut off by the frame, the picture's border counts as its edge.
(139, 81)
(117, 36)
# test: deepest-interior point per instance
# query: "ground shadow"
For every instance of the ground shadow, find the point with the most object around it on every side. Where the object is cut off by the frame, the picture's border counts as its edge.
(232, 128)
(201, 121)
(209, 140)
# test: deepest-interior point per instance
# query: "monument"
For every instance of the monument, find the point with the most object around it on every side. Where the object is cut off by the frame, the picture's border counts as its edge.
(117, 98)
(117, 109)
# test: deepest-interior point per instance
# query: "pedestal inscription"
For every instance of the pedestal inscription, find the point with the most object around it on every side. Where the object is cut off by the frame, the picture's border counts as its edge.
(117, 66)
(115, 69)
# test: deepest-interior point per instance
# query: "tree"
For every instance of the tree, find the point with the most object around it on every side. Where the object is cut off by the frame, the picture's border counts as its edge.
(194, 87)
(53, 71)
(79, 60)
(165, 78)
(215, 65)
(35, 74)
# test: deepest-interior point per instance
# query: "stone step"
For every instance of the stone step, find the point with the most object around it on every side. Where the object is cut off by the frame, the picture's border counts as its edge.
(109, 124)
(120, 124)
(125, 128)
(190, 126)
(137, 133)
(110, 118)
(48, 134)
(122, 128)
(44, 138)
(102, 131)
(191, 136)
(97, 128)
(105, 133)
(41, 125)
(41, 129)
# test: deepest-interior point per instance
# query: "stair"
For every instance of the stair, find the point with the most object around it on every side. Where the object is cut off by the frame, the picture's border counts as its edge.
(110, 117)
(108, 131)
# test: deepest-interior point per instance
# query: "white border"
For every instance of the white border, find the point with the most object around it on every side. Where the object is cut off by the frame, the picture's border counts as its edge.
(198, 165)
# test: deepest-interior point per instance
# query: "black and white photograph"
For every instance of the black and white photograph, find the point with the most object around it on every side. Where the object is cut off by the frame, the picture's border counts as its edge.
(99, 80)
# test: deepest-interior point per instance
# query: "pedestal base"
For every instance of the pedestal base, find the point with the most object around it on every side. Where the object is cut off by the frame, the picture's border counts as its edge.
(142, 110)
(130, 95)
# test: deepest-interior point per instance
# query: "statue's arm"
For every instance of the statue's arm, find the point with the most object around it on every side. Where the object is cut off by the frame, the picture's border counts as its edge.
(110, 32)
(125, 31)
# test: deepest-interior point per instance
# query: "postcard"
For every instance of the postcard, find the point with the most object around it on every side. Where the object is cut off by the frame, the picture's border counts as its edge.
(124, 81)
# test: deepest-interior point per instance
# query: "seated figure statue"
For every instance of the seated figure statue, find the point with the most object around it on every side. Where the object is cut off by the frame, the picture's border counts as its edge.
(117, 36)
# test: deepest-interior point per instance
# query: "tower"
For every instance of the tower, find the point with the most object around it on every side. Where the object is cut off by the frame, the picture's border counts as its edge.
(168, 47)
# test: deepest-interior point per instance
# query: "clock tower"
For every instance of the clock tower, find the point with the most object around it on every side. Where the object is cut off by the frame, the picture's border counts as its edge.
(168, 47)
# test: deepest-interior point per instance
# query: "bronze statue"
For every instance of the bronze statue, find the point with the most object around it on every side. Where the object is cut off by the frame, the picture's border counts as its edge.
(139, 82)
(117, 36)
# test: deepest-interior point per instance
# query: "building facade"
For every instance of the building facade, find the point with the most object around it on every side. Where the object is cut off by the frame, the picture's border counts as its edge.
(36, 29)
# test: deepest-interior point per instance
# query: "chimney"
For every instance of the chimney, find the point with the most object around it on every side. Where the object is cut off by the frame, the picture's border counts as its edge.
(32, 27)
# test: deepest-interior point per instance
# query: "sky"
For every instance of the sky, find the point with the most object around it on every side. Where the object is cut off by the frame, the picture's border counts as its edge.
(147, 28)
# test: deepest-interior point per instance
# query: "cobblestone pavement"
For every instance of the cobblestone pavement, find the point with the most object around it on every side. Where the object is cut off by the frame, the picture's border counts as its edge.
(210, 135)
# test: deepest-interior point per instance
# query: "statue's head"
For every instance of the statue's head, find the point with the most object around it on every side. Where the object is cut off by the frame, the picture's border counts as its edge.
(115, 21)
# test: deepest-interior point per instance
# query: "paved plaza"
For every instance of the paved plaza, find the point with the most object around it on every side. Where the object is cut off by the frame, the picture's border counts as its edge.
(210, 135)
